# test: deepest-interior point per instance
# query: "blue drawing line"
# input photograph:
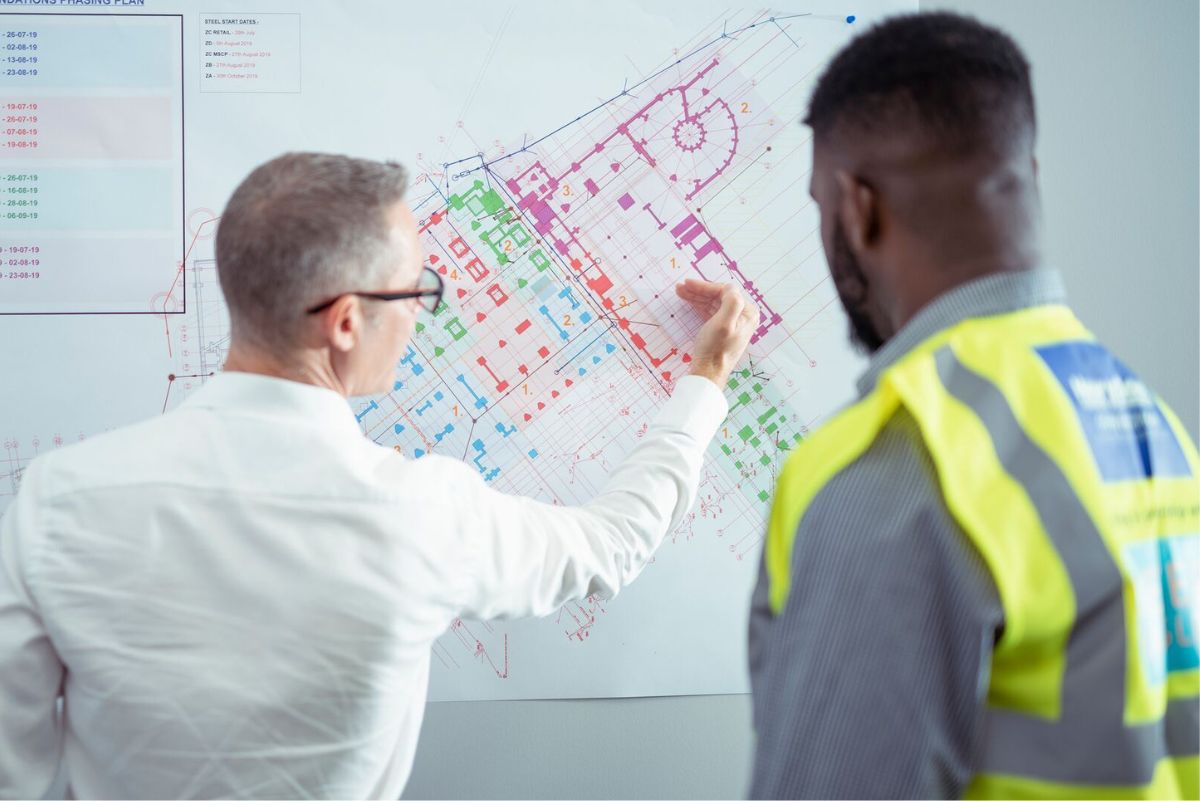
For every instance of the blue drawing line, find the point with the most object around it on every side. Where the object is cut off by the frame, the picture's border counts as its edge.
(584, 350)
(480, 401)
(506, 431)
(785, 33)
(562, 332)
(608, 348)
(627, 90)
(370, 408)
(428, 404)
(425, 199)
(487, 475)
(410, 362)
(557, 259)
(566, 293)
(447, 164)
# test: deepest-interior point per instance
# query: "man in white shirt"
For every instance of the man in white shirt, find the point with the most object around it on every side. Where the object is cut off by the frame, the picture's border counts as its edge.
(238, 598)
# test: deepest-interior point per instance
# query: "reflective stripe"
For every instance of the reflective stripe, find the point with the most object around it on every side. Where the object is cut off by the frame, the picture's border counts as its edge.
(1183, 727)
(1093, 684)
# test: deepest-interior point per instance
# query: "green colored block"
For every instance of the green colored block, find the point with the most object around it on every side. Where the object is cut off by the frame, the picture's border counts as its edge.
(727, 451)
(756, 442)
(765, 459)
(491, 201)
(455, 329)
(746, 433)
(478, 201)
(771, 429)
(456, 201)
(762, 495)
(765, 416)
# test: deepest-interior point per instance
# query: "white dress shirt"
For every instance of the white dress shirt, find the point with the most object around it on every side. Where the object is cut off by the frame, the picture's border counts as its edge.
(238, 598)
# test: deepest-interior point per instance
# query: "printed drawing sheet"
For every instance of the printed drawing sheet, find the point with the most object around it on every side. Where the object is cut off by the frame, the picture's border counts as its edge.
(569, 163)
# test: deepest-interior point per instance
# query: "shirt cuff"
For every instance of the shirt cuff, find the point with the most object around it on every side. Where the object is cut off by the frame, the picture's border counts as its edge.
(696, 408)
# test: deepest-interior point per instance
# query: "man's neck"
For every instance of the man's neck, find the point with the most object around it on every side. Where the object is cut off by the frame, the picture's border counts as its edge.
(305, 367)
(936, 281)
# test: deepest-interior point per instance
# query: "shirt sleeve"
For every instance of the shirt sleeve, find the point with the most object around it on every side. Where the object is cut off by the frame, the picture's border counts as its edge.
(530, 557)
(30, 672)
(872, 681)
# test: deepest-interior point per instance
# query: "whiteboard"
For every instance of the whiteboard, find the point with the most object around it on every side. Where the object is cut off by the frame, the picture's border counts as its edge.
(570, 162)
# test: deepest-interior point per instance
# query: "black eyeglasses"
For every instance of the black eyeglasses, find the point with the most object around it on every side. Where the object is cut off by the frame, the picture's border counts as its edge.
(429, 291)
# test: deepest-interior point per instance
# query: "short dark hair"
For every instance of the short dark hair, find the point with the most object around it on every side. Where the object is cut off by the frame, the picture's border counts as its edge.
(962, 84)
(300, 229)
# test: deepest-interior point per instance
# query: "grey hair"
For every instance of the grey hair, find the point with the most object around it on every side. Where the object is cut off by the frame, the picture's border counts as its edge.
(299, 230)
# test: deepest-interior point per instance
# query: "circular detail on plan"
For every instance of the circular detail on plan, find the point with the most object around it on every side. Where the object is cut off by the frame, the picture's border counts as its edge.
(689, 134)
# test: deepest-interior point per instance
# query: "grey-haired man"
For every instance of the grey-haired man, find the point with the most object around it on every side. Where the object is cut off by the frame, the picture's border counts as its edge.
(239, 598)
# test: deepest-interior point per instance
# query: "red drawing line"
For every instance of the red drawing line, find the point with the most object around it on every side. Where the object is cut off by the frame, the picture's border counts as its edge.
(171, 380)
(179, 272)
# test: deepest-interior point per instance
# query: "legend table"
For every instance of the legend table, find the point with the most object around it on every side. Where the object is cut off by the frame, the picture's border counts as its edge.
(91, 162)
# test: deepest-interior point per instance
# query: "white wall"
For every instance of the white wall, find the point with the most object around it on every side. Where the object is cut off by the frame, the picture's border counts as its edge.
(1117, 88)
(1116, 83)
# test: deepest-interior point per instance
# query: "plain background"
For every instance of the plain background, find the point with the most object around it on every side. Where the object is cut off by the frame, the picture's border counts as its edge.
(1118, 95)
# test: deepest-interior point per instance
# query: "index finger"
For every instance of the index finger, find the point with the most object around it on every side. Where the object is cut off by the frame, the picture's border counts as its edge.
(697, 287)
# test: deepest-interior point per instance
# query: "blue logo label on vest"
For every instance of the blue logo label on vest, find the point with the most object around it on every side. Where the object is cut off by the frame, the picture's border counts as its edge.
(1165, 574)
(1129, 436)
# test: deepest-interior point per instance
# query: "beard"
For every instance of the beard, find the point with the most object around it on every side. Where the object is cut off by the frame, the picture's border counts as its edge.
(852, 288)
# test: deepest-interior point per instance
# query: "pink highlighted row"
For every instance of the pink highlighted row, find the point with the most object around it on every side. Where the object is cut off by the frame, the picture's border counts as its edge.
(107, 128)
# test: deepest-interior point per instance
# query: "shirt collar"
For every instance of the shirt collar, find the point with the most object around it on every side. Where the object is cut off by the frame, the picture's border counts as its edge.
(993, 294)
(277, 398)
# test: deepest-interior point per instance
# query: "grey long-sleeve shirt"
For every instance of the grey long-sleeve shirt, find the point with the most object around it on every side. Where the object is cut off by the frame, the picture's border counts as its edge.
(872, 682)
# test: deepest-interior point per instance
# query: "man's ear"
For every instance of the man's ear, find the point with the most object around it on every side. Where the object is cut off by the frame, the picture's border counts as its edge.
(341, 324)
(858, 207)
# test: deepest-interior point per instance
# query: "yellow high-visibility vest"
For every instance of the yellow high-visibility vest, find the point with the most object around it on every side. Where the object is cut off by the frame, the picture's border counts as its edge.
(1081, 491)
